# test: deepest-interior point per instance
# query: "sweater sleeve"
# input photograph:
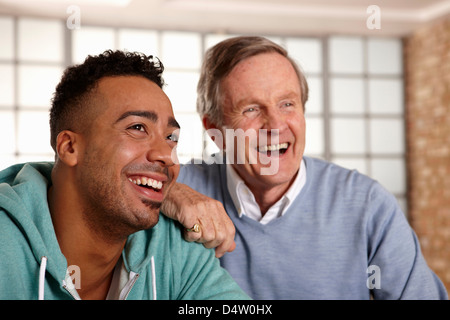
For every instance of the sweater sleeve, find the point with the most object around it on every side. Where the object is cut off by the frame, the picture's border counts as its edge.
(394, 253)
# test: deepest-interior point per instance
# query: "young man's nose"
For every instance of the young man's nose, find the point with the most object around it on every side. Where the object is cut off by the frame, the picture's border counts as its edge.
(161, 151)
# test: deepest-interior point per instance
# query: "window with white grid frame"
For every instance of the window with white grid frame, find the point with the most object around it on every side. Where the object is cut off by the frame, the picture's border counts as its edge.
(366, 109)
(29, 72)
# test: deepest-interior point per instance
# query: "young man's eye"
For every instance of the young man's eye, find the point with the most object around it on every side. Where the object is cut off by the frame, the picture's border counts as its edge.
(138, 127)
(173, 137)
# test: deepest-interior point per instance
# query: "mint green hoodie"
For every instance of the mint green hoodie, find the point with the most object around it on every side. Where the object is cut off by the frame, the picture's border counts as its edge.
(157, 263)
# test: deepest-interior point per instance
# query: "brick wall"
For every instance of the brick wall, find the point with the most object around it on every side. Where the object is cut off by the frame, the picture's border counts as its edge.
(427, 86)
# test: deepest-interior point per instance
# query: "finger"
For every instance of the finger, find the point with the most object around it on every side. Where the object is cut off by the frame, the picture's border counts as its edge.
(192, 236)
(189, 223)
(195, 228)
(221, 241)
(224, 248)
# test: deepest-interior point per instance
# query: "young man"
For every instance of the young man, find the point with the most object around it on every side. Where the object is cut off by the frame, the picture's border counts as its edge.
(305, 228)
(89, 225)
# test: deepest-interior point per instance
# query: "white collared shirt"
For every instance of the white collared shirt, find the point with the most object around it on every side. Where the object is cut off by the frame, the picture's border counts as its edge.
(246, 204)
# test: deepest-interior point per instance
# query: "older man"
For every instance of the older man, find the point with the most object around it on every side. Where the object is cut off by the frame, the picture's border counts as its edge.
(306, 228)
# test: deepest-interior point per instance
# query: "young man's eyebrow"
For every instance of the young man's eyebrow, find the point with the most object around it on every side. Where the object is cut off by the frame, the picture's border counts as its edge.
(152, 116)
(173, 123)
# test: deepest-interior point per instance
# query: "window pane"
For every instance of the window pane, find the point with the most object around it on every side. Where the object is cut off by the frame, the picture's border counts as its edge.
(386, 96)
(315, 95)
(7, 132)
(358, 164)
(91, 41)
(387, 136)
(41, 40)
(390, 173)
(21, 158)
(347, 96)
(181, 50)
(403, 204)
(6, 161)
(307, 53)
(181, 88)
(346, 55)
(277, 40)
(6, 85)
(385, 56)
(348, 136)
(314, 144)
(37, 85)
(213, 39)
(7, 31)
(139, 40)
(34, 132)
(190, 144)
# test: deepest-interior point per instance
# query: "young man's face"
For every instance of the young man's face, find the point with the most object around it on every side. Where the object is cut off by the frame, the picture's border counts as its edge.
(129, 161)
(263, 92)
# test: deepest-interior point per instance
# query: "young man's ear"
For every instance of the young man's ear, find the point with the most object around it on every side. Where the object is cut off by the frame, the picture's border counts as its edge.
(67, 147)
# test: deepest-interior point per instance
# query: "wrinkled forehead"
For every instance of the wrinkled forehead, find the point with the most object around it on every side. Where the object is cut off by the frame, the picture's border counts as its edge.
(268, 71)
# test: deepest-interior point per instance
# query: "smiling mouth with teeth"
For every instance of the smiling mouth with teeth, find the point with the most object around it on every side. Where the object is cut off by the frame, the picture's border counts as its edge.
(147, 182)
(268, 149)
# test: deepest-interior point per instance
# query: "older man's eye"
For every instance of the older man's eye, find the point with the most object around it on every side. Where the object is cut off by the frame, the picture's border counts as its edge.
(287, 104)
(249, 110)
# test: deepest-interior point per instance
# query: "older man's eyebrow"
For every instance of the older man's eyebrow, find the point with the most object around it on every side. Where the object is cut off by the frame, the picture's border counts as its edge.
(152, 116)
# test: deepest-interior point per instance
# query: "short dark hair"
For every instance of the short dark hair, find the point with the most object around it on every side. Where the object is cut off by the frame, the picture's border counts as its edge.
(72, 94)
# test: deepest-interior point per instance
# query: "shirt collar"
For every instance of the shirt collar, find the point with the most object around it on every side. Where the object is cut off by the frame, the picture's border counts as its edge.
(244, 200)
(233, 183)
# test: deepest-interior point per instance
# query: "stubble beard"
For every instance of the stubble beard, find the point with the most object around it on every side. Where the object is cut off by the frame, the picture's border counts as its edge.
(107, 212)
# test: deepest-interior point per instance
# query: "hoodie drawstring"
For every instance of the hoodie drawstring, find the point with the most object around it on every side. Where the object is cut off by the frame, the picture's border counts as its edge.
(153, 278)
(42, 277)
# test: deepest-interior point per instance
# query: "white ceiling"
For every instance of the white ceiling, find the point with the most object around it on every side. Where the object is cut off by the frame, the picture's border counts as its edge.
(269, 17)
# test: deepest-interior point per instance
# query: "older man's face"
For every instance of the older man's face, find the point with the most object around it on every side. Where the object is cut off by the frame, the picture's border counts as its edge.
(263, 92)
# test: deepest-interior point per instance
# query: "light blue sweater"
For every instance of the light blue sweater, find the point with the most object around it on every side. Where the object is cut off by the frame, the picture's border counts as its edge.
(343, 237)
(158, 263)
